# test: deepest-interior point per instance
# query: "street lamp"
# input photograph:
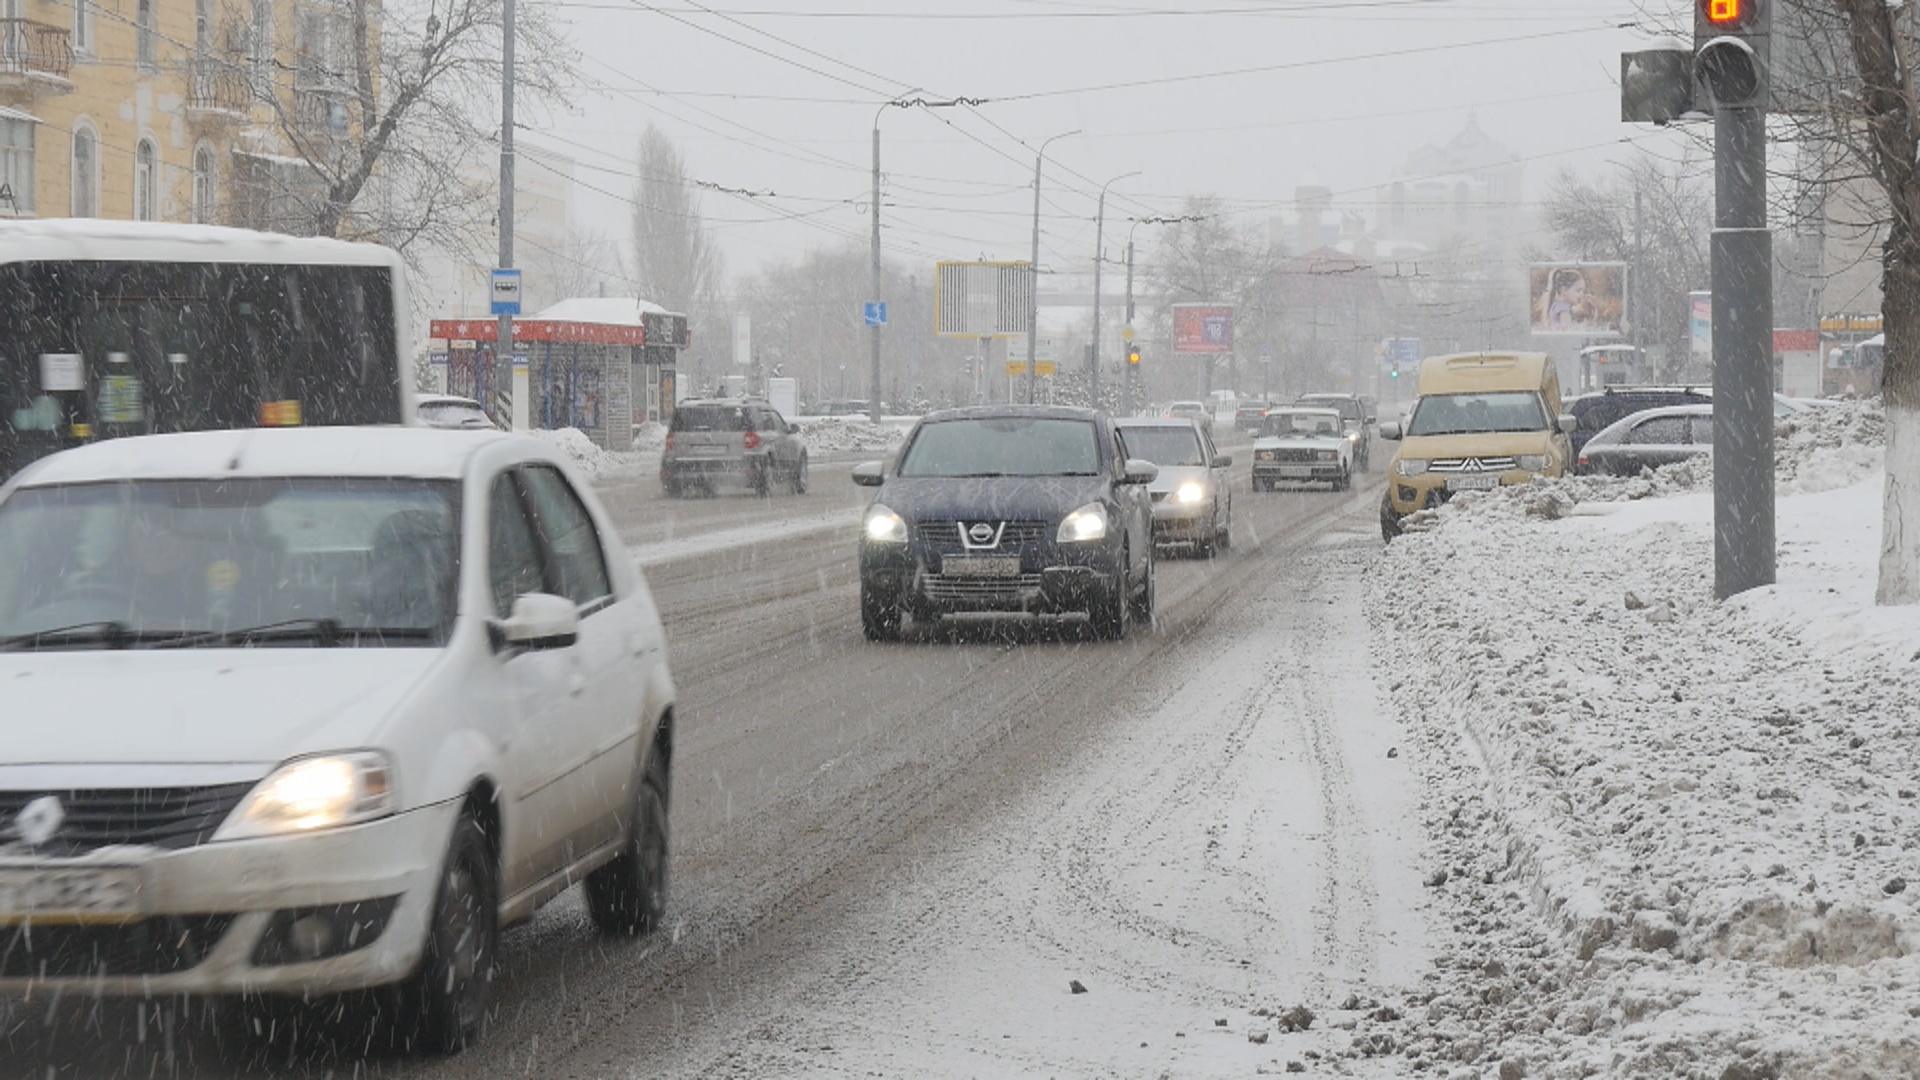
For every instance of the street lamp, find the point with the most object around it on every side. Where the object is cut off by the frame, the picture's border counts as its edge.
(1099, 257)
(1033, 270)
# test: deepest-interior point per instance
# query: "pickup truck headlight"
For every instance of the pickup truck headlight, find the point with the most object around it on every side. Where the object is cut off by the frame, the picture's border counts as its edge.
(1410, 467)
(1087, 523)
(308, 794)
(884, 526)
(1189, 493)
(1532, 462)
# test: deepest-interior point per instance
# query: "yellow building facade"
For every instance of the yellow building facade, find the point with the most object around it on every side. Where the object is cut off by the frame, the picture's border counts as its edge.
(171, 110)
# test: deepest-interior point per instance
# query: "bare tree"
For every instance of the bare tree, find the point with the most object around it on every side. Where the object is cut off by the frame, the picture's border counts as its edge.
(1203, 258)
(676, 264)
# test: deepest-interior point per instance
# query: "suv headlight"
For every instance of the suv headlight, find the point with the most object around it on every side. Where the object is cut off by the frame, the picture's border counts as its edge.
(1410, 467)
(308, 794)
(884, 526)
(1189, 493)
(1532, 462)
(1087, 523)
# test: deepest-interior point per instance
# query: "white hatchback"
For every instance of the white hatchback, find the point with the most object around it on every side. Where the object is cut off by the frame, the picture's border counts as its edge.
(316, 710)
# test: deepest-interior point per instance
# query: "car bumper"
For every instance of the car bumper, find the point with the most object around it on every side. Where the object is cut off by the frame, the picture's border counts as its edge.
(1057, 579)
(1298, 473)
(1177, 523)
(1407, 495)
(216, 918)
(709, 468)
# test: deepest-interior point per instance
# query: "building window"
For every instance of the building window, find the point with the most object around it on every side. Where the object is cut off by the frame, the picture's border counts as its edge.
(143, 33)
(83, 26)
(203, 185)
(86, 175)
(16, 166)
(145, 168)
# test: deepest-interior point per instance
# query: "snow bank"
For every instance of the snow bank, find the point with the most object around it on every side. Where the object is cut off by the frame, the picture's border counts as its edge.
(1713, 805)
(851, 433)
(650, 437)
(592, 461)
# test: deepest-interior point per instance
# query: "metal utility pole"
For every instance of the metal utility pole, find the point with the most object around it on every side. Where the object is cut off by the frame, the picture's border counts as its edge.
(503, 355)
(1033, 309)
(1099, 257)
(873, 382)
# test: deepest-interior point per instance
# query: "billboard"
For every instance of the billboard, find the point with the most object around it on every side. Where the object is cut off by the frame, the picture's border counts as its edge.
(1202, 328)
(1578, 299)
(1700, 324)
(983, 299)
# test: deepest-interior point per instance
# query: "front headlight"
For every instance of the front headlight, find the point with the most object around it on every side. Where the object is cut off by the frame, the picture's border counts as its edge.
(1264, 455)
(1353, 436)
(884, 526)
(1087, 523)
(1410, 467)
(314, 793)
(1190, 493)
(1532, 462)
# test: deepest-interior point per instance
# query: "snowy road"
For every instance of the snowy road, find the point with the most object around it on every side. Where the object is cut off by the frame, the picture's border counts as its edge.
(898, 860)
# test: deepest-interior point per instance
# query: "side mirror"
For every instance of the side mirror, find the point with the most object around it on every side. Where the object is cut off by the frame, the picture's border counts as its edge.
(1140, 471)
(1390, 431)
(1373, 419)
(1222, 461)
(538, 621)
(1568, 423)
(793, 429)
(870, 473)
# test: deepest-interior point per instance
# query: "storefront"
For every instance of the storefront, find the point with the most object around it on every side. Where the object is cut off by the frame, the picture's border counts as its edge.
(604, 365)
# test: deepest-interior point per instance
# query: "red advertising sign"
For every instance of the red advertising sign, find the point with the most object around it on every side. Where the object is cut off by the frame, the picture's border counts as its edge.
(1202, 328)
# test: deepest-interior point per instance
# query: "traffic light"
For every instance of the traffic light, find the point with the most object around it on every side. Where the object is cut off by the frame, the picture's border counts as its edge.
(1731, 49)
(1133, 356)
(1656, 86)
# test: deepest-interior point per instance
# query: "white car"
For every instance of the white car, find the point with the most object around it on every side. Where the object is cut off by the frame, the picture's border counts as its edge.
(311, 710)
(1301, 445)
(451, 411)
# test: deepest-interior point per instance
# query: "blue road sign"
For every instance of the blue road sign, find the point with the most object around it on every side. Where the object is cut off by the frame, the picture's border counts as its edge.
(876, 313)
(506, 292)
(1403, 352)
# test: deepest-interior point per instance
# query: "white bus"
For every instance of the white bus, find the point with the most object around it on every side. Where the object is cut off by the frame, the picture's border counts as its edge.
(111, 328)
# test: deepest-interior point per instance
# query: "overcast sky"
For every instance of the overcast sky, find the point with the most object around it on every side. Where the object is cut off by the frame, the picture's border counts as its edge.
(1242, 99)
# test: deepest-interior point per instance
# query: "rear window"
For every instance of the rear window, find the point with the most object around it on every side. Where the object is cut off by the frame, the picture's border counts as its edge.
(1348, 408)
(709, 418)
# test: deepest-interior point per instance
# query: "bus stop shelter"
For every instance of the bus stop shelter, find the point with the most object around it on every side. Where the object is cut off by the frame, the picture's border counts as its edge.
(604, 365)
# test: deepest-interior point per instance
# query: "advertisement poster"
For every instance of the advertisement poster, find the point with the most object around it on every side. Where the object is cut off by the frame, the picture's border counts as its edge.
(1578, 299)
(1202, 328)
(1700, 323)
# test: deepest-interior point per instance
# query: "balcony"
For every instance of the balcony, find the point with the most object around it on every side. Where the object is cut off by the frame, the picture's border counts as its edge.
(218, 91)
(323, 110)
(35, 56)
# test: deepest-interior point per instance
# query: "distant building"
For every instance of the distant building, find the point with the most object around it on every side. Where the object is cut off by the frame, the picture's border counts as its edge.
(1462, 198)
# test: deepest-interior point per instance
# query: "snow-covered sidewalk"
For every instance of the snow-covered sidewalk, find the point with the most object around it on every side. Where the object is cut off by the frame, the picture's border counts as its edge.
(1679, 837)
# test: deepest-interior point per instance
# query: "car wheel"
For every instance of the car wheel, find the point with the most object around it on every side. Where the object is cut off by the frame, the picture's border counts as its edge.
(1345, 482)
(672, 488)
(879, 619)
(629, 895)
(761, 479)
(447, 999)
(1143, 600)
(1389, 522)
(1109, 611)
(800, 476)
(1223, 540)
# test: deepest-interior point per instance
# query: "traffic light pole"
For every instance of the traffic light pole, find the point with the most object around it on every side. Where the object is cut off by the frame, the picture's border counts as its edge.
(1742, 250)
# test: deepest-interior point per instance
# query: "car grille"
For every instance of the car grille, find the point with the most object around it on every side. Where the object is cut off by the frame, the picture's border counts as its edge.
(159, 946)
(1290, 456)
(943, 537)
(1472, 465)
(997, 590)
(160, 817)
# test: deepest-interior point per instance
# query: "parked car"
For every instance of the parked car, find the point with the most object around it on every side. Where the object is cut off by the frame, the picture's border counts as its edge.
(1357, 418)
(1248, 416)
(1008, 508)
(1298, 445)
(1192, 498)
(744, 440)
(451, 411)
(355, 698)
(1599, 409)
(1192, 410)
(1649, 439)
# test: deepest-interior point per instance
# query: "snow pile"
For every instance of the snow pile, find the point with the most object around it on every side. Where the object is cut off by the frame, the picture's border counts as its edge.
(591, 460)
(849, 433)
(1677, 837)
(650, 437)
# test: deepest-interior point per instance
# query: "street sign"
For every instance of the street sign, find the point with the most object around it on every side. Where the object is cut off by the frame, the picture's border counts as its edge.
(1044, 368)
(1403, 352)
(506, 292)
(875, 313)
(1045, 350)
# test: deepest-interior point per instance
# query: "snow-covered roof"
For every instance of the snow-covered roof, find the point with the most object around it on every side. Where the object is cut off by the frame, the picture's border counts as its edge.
(604, 310)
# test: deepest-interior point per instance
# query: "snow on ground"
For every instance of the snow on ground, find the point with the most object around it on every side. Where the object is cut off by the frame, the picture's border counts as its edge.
(594, 462)
(1678, 837)
(837, 433)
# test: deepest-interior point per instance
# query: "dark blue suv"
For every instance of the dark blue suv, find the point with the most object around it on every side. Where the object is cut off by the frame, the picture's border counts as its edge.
(1008, 509)
(1597, 411)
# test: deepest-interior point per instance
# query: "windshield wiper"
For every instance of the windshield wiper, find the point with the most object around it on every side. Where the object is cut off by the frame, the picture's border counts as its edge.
(322, 632)
(109, 632)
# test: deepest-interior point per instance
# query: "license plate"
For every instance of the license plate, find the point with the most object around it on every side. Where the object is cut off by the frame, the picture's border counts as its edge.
(977, 566)
(69, 894)
(1472, 483)
(1296, 470)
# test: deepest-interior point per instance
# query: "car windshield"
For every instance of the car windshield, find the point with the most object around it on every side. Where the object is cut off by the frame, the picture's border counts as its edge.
(1460, 414)
(454, 414)
(1287, 425)
(1170, 445)
(1004, 446)
(1348, 408)
(209, 562)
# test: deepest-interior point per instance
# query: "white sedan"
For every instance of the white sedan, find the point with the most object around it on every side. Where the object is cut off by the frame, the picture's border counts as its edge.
(306, 711)
(1302, 445)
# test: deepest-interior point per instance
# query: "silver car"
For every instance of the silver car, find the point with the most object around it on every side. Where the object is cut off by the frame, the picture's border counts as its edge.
(1191, 501)
(744, 440)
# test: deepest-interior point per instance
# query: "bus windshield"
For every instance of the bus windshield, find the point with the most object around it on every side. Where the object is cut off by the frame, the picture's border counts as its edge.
(95, 349)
